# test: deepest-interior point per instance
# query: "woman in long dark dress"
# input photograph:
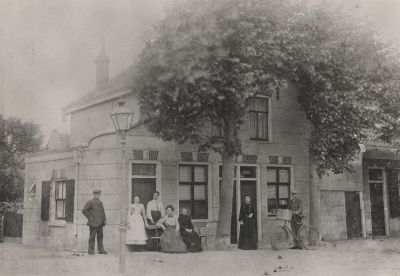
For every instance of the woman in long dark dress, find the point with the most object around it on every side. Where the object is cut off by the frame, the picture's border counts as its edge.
(190, 237)
(248, 225)
(171, 240)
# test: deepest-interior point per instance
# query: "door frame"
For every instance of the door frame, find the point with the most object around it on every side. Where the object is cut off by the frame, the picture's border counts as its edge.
(385, 198)
(158, 175)
(238, 194)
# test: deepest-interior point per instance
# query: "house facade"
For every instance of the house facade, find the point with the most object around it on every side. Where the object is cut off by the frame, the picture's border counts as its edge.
(275, 159)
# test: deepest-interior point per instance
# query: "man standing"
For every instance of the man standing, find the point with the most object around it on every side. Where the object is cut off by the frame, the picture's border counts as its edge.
(94, 212)
(155, 209)
(296, 206)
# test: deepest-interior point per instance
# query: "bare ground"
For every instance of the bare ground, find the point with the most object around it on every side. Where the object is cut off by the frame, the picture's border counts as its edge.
(357, 257)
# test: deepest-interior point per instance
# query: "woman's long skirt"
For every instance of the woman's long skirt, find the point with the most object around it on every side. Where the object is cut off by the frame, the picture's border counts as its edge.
(172, 242)
(248, 235)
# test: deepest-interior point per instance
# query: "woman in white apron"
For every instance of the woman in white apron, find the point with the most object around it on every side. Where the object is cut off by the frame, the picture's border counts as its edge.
(136, 232)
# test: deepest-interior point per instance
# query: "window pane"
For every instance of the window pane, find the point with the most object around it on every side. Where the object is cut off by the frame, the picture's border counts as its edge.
(144, 169)
(200, 209)
(248, 172)
(271, 207)
(271, 191)
(253, 124)
(200, 174)
(185, 174)
(271, 175)
(185, 192)
(283, 203)
(375, 174)
(60, 208)
(284, 176)
(262, 125)
(64, 187)
(200, 192)
(283, 191)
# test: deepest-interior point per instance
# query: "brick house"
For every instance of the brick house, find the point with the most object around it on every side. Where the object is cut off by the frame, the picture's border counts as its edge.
(275, 139)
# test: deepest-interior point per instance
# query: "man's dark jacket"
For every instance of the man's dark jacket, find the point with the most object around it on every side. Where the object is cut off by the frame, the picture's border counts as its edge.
(94, 212)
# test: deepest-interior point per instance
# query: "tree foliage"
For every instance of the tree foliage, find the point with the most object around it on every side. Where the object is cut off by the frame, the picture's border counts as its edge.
(211, 57)
(16, 139)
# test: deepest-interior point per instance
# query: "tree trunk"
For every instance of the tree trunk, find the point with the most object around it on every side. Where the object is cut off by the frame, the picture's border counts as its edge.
(225, 206)
(315, 198)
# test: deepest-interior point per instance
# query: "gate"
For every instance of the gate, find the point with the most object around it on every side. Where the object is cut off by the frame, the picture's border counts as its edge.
(12, 224)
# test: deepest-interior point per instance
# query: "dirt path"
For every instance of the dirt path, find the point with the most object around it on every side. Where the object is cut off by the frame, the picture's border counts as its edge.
(363, 257)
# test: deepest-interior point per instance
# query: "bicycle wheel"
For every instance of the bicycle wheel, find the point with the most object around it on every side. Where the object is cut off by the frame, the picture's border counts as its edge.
(279, 239)
(308, 237)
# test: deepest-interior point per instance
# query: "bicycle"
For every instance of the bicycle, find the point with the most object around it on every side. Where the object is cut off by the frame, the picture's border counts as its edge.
(307, 238)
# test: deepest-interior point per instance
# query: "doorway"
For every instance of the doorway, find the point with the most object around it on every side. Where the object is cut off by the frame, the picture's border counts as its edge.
(353, 215)
(143, 182)
(245, 183)
(376, 182)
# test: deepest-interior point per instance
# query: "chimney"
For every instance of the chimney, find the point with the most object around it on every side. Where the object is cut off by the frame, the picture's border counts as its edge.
(102, 67)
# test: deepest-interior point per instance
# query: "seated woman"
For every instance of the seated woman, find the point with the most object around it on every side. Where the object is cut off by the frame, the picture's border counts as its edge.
(190, 237)
(171, 240)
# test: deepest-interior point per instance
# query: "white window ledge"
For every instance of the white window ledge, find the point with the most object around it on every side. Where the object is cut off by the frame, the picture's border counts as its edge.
(57, 223)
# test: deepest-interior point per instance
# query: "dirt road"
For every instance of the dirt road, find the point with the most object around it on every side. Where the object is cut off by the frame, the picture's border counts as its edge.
(361, 257)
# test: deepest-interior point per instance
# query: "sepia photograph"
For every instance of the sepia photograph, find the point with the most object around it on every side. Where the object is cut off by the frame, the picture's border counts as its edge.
(200, 137)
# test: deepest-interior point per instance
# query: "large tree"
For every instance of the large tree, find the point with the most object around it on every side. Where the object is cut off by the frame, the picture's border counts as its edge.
(16, 139)
(210, 58)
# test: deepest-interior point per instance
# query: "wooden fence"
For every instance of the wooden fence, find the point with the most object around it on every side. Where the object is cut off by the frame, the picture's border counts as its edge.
(12, 224)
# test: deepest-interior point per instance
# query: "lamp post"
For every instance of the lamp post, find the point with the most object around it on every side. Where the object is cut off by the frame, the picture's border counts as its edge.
(122, 119)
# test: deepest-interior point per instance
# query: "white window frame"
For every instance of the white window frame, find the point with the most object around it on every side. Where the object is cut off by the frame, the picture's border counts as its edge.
(291, 186)
(269, 129)
(157, 176)
(209, 188)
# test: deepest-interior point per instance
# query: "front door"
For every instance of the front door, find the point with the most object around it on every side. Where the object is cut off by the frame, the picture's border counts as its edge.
(143, 187)
(353, 215)
(377, 205)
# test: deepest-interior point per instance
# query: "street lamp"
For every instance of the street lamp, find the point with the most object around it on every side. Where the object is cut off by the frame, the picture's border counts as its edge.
(122, 119)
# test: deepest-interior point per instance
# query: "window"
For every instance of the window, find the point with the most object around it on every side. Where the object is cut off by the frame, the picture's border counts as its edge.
(64, 200)
(193, 183)
(258, 113)
(278, 189)
(217, 131)
(61, 190)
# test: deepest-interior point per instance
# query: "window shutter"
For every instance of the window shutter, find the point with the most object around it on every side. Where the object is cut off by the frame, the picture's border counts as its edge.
(45, 205)
(69, 200)
(394, 199)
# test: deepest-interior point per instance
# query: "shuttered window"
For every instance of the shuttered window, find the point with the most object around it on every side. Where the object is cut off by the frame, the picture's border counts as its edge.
(45, 203)
(64, 198)
(259, 115)
(278, 189)
(193, 184)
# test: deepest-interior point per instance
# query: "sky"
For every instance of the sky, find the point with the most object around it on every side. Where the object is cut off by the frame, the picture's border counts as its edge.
(47, 48)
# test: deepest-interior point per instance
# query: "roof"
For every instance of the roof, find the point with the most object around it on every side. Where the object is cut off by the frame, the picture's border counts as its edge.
(58, 141)
(118, 86)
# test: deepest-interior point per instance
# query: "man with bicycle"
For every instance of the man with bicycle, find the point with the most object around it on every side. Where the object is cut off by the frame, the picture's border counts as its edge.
(296, 207)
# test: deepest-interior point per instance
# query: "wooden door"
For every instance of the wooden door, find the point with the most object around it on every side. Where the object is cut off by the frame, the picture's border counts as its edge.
(143, 187)
(353, 215)
(377, 209)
